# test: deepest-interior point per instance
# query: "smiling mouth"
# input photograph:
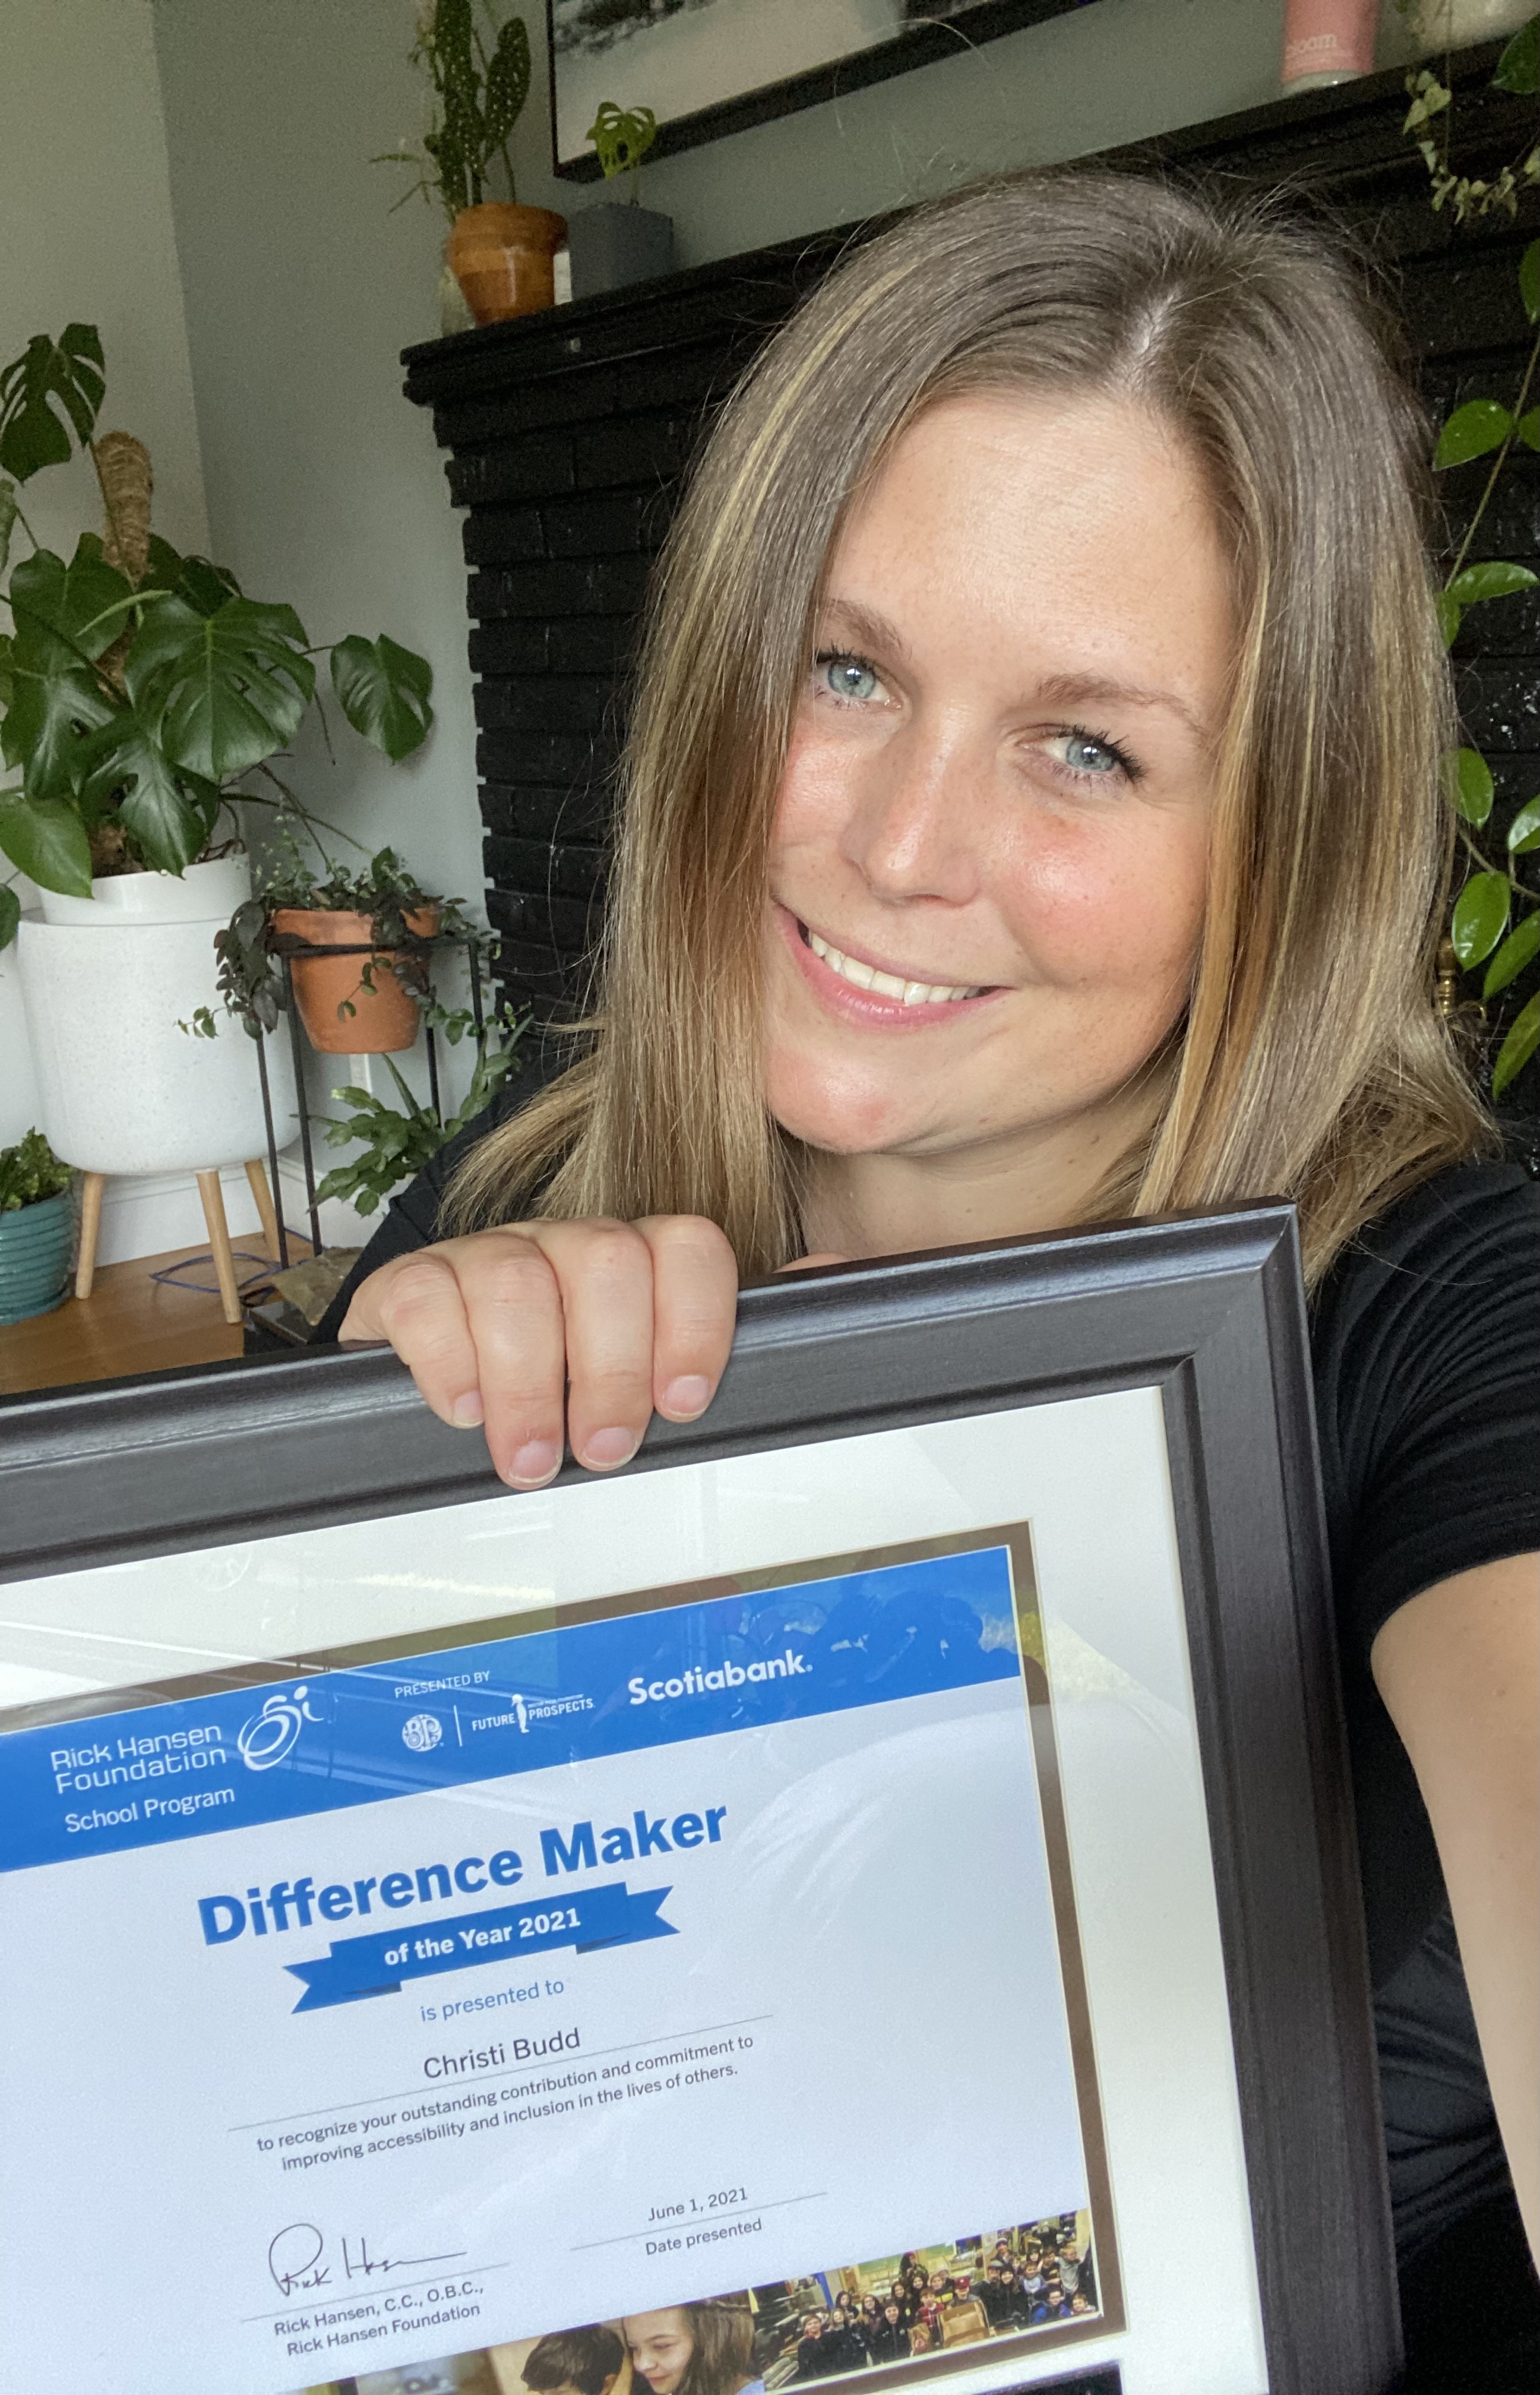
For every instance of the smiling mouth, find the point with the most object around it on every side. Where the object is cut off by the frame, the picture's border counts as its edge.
(886, 984)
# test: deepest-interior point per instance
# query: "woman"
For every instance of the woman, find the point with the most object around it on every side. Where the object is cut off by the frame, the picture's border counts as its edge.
(706, 2348)
(1034, 817)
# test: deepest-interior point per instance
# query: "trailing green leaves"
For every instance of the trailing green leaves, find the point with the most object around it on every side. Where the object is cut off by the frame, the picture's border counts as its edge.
(384, 692)
(1479, 918)
(1518, 68)
(1480, 426)
(1517, 951)
(46, 839)
(224, 692)
(1523, 833)
(1494, 579)
(1467, 782)
(52, 386)
(1529, 282)
(10, 915)
(1519, 1047)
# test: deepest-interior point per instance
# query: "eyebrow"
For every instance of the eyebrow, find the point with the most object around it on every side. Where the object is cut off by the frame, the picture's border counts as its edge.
(876, 631)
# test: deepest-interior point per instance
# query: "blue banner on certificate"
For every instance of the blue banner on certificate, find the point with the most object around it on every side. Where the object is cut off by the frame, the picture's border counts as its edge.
(447, 2008)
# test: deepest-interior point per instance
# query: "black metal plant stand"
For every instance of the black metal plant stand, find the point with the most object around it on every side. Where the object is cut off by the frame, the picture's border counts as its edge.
(286, 947)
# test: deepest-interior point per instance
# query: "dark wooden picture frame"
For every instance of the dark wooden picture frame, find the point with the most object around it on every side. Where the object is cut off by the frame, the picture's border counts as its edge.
(1210, 1311)
(941, 34)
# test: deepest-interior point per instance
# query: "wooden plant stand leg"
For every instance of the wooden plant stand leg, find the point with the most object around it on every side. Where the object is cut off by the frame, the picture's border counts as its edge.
(90, 1231)
(219, 1240)
(256, 1173)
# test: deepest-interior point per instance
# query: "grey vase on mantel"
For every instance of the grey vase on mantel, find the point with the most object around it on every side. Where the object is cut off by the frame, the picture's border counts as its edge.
(613, 244)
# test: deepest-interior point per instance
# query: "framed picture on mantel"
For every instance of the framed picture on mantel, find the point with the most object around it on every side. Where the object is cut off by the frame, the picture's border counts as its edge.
(866, 1893)
(710, 66)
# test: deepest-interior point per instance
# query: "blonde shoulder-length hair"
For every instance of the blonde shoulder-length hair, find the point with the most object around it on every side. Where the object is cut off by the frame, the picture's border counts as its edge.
(1309, 1062)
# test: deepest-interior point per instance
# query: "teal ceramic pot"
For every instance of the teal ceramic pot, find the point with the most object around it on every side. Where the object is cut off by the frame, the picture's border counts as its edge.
(36, 1243)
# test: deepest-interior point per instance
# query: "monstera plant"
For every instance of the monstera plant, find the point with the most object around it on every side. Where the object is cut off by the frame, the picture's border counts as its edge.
(139, 688)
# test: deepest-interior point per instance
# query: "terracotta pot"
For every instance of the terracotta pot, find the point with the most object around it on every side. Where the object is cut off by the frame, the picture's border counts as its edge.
(503, 258)
(384, 1019)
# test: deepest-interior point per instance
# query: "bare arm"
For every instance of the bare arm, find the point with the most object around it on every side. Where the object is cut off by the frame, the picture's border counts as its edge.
(1459, 1670)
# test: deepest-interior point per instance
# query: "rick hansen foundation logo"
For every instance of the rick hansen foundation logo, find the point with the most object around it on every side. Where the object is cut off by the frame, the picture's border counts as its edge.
(274, 1732)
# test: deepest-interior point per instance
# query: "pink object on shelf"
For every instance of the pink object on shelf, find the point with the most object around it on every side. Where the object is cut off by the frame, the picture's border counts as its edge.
(1328, 40)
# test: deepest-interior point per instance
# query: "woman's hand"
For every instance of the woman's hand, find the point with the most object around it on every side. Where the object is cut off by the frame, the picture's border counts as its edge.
(617, 1320)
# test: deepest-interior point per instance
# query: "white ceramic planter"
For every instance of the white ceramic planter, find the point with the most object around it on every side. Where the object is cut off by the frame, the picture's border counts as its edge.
(121, 1088)
(204, 893)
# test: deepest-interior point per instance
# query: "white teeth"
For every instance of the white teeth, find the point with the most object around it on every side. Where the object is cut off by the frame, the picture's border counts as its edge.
(913, 993)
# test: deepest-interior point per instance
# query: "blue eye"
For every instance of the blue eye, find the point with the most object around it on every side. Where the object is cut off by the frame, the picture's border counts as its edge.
(1084, 755)
(848, 678)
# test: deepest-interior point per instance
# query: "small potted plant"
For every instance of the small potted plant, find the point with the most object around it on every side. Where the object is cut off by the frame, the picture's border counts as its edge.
(501, 254)
(612, 245)
(368, 999)
(139, 692)
(36, 1230)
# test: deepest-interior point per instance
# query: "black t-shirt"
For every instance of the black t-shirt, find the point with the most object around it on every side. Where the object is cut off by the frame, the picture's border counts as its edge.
(1427, 1370)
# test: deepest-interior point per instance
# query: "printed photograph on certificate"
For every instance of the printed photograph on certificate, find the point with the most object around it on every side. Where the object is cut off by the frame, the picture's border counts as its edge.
(679, 1992)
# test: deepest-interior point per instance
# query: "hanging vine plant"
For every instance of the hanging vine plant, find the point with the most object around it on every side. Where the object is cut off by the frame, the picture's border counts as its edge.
(1495, 922)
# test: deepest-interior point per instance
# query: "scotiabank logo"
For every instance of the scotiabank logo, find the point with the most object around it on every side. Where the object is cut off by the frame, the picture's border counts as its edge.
(787, 1665)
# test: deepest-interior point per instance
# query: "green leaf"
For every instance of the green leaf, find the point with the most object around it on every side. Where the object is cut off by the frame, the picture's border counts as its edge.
(383, 689)
(1448, 612)
(10, 915)
(1517, 951)
(167, 822)
(508, 81)
(66, 374)
(1528, 428)
(163, 568)
(7, 518)
(1467, 782)
(220, 693)
(1518, 68)
(1519, 1047)
(205, 587)
(45, 725)
(1529, 282)
(1523, 833)
(1480, 425)
(1479, 918)
(1493, 580)
(46, 839)
(66, 615)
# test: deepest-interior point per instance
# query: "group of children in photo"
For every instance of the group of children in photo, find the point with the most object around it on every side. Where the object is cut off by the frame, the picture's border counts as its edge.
(758, 2342)
(1030, 2277)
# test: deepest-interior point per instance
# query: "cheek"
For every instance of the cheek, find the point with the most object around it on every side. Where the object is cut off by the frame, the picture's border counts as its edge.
(1118, 902)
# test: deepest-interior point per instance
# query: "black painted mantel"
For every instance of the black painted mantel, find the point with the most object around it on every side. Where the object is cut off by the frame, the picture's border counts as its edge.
(570, 432)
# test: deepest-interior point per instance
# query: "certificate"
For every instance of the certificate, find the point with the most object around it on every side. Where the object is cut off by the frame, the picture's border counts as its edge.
(758, 1917)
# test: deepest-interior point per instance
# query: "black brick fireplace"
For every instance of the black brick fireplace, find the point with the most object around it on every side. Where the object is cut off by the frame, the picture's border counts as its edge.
(569, 435)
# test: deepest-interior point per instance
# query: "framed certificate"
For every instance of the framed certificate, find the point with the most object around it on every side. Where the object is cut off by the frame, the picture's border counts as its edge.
(866, 1893)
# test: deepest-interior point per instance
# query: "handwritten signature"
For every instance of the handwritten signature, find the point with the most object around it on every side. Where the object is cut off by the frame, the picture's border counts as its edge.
(299, 2262)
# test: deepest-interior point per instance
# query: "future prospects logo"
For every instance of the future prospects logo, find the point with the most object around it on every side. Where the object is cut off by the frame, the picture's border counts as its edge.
(274, 1732)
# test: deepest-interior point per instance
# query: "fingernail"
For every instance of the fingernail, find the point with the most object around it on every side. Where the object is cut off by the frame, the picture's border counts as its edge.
(608, 1447)
(467, 1411)
(539, 1460)
(688, 1396)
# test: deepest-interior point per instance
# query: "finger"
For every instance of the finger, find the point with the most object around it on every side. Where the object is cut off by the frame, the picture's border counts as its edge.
(514, 1311)
(604, 1270)
(694, 1309)
(415, 1303)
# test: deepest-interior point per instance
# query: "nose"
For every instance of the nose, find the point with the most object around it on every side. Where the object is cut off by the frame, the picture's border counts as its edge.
(912, 830)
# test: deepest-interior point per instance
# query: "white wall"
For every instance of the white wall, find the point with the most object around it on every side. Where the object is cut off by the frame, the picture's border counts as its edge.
(85, 235)
(1120, 70)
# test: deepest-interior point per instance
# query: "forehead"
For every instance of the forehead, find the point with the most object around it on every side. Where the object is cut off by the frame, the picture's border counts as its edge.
(1078, 519)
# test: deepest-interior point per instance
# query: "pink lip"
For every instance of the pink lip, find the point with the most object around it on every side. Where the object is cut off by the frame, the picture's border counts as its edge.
(869, 1007)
